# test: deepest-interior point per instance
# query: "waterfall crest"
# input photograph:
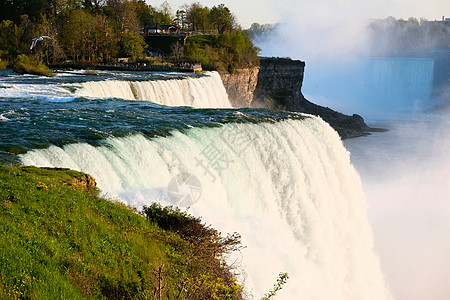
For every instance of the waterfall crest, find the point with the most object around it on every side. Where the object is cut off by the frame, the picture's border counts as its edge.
(202, 92)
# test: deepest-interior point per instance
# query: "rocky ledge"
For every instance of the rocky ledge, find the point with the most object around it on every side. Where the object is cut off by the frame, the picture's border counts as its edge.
(277, 84)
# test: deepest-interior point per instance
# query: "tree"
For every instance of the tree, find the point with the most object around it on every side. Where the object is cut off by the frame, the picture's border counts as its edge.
(125, 14)
(177, 51)
(166, 10)
(145, 13)
(163, 15)
(12, 10)
(132, 44)
(222, 18)
(198, 17)
(10, 35)
(76, 34)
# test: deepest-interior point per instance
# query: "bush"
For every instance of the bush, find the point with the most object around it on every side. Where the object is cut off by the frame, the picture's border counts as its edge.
(3, 64)
(210, 278)
(25, 64)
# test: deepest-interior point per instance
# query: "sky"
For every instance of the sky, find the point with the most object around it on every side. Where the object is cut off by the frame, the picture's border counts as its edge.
(272, 11)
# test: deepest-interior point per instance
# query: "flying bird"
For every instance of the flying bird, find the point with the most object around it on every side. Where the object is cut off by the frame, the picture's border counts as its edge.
(39, 38)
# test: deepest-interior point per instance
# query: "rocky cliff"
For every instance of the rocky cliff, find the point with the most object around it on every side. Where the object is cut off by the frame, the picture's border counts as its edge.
(277, 84)
(241, 86)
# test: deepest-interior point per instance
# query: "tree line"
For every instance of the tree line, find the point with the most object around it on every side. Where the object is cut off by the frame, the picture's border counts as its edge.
(391, 36)
(93, 31)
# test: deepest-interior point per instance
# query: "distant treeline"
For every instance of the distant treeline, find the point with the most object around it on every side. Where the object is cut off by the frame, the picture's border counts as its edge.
(392, 36)
(387, 37)
(101, 30)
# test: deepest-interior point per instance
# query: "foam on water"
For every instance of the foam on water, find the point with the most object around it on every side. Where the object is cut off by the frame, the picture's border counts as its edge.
(52, 92)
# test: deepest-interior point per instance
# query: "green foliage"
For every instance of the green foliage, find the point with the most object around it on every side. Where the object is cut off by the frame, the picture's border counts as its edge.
(64, 242)
(92, 31)
(163, 42)
(281, 281)
(212, 278)
(25, 64)
(258, 30)
(132, 45)
(3, 64)
(10, 41)
(225, 52)
(222, 18)
(88, 37)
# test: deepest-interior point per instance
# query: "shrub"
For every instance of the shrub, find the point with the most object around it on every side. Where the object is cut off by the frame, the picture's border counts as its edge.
(25, 64)
(211, 278)
(3, 64)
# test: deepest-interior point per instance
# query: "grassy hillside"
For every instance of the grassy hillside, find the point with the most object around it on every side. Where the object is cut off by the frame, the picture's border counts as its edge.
(59, 240)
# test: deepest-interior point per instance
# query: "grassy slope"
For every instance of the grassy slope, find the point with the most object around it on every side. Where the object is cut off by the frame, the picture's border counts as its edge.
(59, 241)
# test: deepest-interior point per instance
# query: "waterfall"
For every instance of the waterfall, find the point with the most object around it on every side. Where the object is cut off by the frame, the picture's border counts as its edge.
(366, 86)
(403, 80)
(287, 187)
(202, 92)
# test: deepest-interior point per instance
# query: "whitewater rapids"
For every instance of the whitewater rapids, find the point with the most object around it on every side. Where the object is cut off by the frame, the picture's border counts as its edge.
(202, 92)
(287, 187)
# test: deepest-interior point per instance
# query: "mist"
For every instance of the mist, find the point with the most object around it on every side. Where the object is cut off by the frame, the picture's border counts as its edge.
(358, 64)
(354, 69)
(405, 178)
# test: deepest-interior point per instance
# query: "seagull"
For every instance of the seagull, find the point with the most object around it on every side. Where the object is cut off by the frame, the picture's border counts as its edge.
(40, 38)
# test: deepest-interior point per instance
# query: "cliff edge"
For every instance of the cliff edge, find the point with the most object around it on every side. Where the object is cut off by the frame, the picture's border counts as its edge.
(277, 84)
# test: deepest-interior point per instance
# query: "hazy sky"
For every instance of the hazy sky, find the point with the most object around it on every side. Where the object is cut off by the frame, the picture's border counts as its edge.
(272, 11)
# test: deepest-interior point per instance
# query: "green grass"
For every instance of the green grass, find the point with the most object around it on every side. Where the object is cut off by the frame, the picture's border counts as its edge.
(59, 240)
(203, 40)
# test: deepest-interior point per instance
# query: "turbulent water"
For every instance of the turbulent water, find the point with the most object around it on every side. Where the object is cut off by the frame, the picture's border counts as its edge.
(282, 180)
(207, 91)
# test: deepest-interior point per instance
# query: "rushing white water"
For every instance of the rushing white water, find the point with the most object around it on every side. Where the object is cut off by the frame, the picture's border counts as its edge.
(288, 188)
(49, 92)
(205, 92)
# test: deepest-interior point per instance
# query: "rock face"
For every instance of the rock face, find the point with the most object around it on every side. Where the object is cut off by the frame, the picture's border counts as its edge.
(241, 86)
(277, 85)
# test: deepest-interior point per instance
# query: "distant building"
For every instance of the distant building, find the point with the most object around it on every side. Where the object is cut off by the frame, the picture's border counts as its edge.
(164, 29)
(444, 21)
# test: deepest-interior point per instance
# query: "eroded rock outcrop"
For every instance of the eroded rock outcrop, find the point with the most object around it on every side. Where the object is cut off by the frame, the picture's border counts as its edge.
(241, 86)
(277, 84)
